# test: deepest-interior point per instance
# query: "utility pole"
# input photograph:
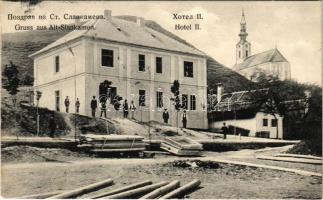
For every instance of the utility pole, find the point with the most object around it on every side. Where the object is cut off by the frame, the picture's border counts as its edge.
(38, 96)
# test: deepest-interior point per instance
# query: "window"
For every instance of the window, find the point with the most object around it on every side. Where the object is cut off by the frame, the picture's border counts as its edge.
(56, 64)
(274, 123)
(107, 58)
(264, 122)
(142, 97)
(184, 101)
(239, 54)
(246, 53)
(141, 62)
(188, 69)
(57, 100)
(159, 65)
(193, 102)
(159, 98)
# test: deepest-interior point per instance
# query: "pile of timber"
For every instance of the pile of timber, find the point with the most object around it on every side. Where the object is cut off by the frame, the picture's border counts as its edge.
(142, 190)
(181, 146)
(112, 143)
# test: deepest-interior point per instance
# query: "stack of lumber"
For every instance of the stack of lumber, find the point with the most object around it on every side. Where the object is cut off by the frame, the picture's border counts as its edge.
(112, 143)
(181, 146)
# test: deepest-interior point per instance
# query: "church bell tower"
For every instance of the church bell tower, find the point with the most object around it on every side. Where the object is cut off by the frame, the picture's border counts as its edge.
(243, 47)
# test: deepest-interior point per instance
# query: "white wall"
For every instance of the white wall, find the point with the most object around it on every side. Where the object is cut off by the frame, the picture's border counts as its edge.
(255, 124)
(273, 130)
(280, 69)
(66, 88)
(44, 65)
(124, 75)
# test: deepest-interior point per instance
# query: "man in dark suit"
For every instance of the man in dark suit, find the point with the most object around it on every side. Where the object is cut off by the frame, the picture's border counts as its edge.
(94, 105)
(165, 116)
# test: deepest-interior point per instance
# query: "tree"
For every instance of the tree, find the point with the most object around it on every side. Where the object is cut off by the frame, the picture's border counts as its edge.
(12, 81)
(280, 95)
(177, 102)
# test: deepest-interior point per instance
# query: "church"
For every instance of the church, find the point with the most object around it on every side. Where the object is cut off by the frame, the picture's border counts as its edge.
(270, 62)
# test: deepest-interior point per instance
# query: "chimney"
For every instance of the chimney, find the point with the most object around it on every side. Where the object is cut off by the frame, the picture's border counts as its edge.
(77, 22)
(140, 21)
(107, 14)
(219, 92)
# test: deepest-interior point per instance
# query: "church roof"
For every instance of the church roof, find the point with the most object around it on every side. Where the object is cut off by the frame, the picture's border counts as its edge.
(272, 55)
(122, 31)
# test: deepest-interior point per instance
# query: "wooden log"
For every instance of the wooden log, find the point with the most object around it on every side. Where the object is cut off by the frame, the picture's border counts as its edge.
(41, 195)
(138, 191)
(83, 190)
(119, 190)
(162, 191)
(182, 190)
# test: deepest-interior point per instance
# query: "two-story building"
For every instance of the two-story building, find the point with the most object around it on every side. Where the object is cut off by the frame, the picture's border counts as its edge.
(141, 63)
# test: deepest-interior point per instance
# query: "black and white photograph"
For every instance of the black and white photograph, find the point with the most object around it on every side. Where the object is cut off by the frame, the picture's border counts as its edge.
(161, 99)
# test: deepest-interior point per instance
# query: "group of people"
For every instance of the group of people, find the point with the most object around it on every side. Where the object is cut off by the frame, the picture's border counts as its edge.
(184, 117)
(67, 104)
(126, 108)
(103, 108)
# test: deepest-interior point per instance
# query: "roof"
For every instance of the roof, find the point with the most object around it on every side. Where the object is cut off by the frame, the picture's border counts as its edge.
(272, 55)
(241, 100)
(236, 105)
(119, 30)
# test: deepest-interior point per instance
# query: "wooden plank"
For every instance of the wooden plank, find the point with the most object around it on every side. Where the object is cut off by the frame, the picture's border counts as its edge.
(118, 146)
(118, 150)
(298, 156)
(135, 192)
(122, 189)
(296, 171)
(179, 152)
(113, 137)
(182, 190)
(82, 190)
(295, 160)
(161, 191)
(174, 142)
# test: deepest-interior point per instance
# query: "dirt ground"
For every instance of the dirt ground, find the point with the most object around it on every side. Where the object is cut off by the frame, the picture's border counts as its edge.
(69, 170)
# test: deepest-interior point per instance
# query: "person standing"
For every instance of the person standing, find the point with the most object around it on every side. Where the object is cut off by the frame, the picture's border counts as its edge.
(132, 109)
(67, 104)
(125, 109)
(77, 105)
(184, 119)
(94, 105)
(224, 131)
(52, 126)
(165, 116)
(103, 109)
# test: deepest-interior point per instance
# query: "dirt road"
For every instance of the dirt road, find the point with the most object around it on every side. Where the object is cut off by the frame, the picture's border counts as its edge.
(225, 181)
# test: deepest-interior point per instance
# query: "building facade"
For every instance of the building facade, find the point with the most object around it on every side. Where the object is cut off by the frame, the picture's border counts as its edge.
(259, 125)
(270, 62)
(244, 115)
(141, 63)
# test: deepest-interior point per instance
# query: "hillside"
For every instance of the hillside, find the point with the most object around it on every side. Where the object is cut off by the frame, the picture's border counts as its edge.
(18, 46)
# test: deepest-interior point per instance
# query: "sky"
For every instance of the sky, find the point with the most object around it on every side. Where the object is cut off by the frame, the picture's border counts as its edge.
(293, 27)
